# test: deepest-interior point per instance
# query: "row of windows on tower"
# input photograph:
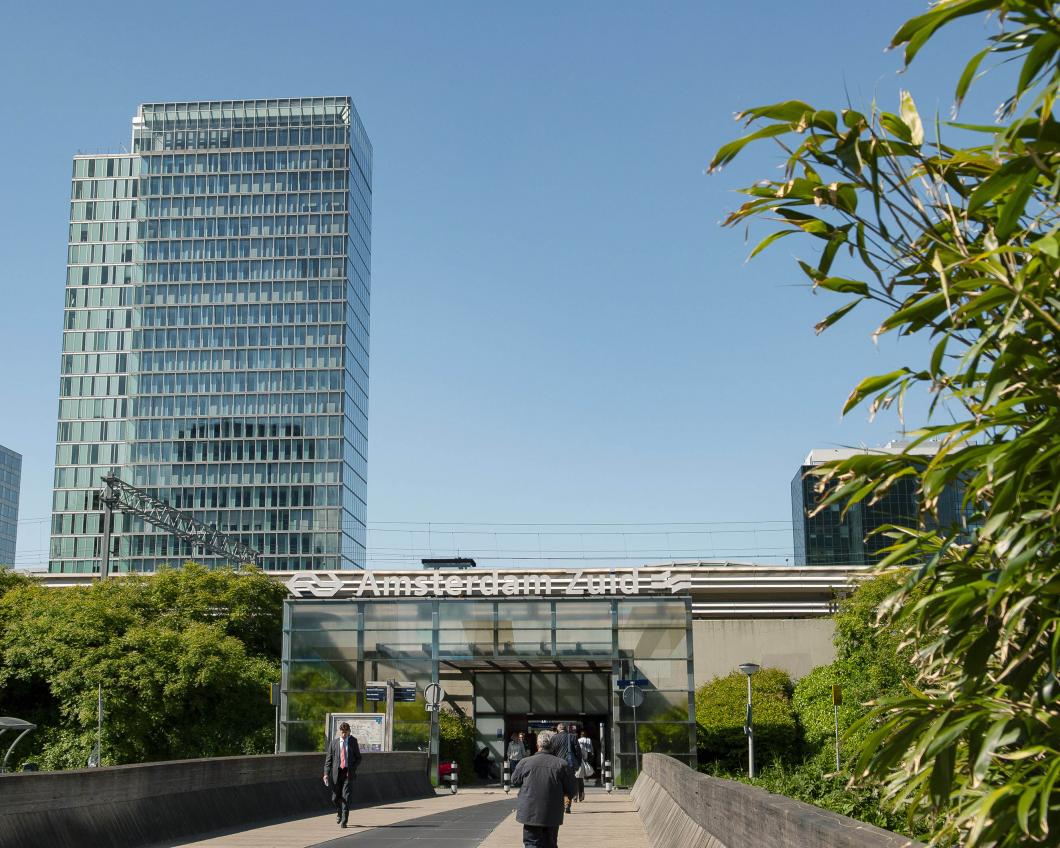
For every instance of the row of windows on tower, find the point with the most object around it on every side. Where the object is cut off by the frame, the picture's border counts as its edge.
(147, 140)
(270, 160)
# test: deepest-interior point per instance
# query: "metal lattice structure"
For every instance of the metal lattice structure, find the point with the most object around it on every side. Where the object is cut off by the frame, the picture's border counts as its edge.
(117, 494)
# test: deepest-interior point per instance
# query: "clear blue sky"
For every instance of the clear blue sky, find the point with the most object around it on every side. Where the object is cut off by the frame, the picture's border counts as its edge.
(561, 332)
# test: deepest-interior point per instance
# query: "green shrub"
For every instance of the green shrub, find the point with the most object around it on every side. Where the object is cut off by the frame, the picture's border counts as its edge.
(817, 783)
(457, 742)
(721, 708)
(812, 702)
(871, 663)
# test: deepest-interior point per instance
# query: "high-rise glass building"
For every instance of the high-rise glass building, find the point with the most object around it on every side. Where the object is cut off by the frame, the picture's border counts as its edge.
(10, 481)
(215, 346)
(832, 538)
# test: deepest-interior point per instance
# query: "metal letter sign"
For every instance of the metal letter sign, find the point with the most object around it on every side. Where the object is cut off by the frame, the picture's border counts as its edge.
(489, 584)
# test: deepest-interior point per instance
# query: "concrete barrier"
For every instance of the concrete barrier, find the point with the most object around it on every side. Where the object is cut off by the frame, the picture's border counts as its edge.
(681, 808)
(138, 805)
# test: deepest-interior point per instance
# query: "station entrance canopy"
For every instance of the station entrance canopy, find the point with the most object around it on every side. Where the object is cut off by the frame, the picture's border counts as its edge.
(517, 649)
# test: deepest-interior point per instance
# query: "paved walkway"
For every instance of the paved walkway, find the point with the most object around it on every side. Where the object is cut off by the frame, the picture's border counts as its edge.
(323, 831)
(469, 819)
(600, 819)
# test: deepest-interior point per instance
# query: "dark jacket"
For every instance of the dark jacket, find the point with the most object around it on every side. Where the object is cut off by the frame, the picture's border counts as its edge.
(543, 780)
(332, 758)
(565, 746)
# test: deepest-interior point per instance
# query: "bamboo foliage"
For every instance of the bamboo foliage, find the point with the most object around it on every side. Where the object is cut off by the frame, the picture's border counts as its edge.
(959, 244)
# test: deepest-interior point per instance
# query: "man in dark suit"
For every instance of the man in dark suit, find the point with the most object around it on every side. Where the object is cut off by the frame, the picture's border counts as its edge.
(340, 769)
(565, 746)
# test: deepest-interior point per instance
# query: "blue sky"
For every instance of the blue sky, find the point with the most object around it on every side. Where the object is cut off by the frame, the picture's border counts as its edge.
(561, 331)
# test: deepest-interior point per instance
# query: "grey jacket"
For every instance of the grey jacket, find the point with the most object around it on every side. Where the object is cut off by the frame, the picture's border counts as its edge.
(543, 780)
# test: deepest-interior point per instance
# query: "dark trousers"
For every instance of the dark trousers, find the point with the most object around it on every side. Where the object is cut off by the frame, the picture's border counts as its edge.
(535, 836)
(581, 789)
(342, 794)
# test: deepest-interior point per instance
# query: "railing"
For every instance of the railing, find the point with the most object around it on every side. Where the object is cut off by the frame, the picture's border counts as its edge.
(135, 805)
(681, 808)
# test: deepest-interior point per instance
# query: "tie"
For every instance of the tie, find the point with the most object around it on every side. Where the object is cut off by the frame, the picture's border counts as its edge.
(342, 753)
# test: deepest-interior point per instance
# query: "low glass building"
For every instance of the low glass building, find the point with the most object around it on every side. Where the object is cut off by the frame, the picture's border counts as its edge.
(512, 663)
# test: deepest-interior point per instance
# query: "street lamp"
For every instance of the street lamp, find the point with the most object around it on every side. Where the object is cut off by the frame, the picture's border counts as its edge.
(748, 728)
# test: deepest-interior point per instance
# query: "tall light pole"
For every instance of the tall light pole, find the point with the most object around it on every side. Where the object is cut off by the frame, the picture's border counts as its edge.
(748, 728)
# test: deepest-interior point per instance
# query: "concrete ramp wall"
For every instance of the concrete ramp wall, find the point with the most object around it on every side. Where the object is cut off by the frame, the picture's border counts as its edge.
(682, 808)
(139, 805)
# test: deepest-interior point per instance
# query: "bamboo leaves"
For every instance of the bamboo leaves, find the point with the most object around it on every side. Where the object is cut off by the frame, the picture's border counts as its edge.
(961, 245)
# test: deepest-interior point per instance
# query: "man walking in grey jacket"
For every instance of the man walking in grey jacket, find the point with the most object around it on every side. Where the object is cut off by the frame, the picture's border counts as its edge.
(543, 780)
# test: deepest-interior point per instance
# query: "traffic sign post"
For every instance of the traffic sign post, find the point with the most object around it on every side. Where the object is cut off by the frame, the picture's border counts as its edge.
(837, 702)
(274, 699)
(633, 696)
(432, 699)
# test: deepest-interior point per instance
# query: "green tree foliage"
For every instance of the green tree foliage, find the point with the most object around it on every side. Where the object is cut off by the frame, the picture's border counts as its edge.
(721, 708)
(959, 245)
(185, 659)
(816, 782)
(872, 662)
(456, 733)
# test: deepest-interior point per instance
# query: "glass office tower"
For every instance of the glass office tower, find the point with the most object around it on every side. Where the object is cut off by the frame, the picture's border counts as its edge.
(215, 350)
(832, 538)
(10, 480)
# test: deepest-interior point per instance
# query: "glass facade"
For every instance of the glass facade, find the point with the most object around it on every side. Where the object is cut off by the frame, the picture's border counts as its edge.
(10, 481)
(216, 334)
(831, 538)
(527, 663)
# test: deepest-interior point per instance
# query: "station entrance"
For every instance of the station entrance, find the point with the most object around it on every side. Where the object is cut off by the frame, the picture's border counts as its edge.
(511, 665)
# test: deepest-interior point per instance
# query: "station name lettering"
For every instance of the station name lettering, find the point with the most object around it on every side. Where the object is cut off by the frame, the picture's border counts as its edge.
(481, 584)
(492, 584)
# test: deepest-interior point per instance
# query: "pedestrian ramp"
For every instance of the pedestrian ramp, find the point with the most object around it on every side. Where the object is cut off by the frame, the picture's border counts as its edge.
(471, 818)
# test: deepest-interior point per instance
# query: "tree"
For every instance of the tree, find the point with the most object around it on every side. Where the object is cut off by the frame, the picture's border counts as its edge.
(959, 244)
(871, 662)
(185, 659)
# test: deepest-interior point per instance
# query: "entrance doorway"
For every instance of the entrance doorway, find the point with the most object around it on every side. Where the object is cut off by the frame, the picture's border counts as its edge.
(596, 727)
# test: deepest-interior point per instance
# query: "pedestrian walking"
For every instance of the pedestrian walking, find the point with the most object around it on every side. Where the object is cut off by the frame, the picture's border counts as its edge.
(586, 768)
(340, 769)
(516, 749)
(544, 781)
(565, 746)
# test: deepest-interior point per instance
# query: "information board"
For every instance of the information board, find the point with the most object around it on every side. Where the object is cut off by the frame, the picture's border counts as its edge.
(369, 729)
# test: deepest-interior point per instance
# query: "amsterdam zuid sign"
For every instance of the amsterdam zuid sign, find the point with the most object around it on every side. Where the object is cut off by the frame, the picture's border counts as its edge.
(488, 584)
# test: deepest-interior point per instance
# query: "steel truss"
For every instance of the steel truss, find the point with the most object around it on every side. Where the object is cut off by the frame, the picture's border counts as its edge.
(117, 494)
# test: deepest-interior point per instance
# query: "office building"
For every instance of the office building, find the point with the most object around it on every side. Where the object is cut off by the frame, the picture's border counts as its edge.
(830, 538)
(215, 347)
(10, 480)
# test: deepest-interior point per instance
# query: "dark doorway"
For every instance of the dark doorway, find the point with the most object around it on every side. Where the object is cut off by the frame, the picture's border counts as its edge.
(594, 726)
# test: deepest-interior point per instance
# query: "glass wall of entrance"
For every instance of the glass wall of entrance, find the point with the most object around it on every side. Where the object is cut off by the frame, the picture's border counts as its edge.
(523, 663)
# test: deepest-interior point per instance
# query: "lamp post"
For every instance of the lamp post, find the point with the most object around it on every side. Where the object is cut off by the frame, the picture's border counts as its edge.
(748, 728)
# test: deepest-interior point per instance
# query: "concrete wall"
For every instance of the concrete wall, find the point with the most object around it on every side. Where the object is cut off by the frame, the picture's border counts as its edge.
(793, 644)
(135, 805)
(681, 808)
